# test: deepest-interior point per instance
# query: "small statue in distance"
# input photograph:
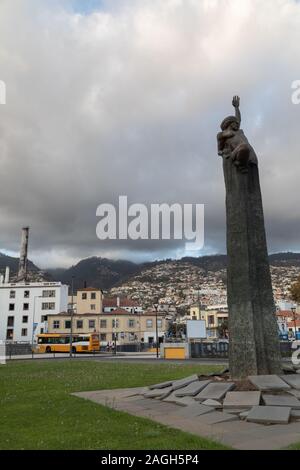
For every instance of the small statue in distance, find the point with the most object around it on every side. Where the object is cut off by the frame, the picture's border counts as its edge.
(232, 142)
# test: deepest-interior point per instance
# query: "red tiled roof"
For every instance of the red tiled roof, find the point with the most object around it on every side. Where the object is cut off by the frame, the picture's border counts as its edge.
(124, 302)
(291, 324)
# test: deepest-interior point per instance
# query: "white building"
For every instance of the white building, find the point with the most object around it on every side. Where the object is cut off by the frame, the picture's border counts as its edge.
(24, 307)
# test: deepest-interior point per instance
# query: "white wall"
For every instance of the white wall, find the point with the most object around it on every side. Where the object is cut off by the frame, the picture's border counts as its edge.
(34, 312)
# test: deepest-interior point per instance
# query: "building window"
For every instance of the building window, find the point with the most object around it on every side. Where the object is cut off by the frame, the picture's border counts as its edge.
(56, 324)
(131, 323)
(159, 323)
(79, 324)
(92, 324)
(10, 321)
(26, 294)
(84, 296)
(24, 332)
(211, 320)
(68, 324)
(49, 293)
(12, 294)
(93, 295)
(11, 307)
(42, 331)
(48, 306)
(93, 307)
(103, 324)
(9, 334)
(44, 318)
(149, 323)
(25, 306)
(103, 337)
(115, 323)
(25, 319)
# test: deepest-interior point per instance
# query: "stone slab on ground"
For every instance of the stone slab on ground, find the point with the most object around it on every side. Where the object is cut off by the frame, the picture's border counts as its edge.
(192, 389)
(282, 400)
(295, 414)
(244, 414)
(269, 415)
(245, 400)
(181, 401)
(295, 393)
(161, 385)
(293, 380)
(234, 411)
(217, 417)
(268, 382)
(194, 410)
(215, 391)
(212, 403)
(177, 384)
(158, 393)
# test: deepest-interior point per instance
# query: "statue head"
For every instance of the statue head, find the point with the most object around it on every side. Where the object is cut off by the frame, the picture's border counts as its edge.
(232, 122)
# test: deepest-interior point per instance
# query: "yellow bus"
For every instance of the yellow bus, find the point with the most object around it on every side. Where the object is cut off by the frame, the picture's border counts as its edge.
(55, 342)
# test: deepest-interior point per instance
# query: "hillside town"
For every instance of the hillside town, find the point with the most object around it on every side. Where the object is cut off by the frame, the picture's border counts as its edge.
(149, 308)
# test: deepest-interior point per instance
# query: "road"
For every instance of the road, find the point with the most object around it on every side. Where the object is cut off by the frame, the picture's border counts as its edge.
(126, 357)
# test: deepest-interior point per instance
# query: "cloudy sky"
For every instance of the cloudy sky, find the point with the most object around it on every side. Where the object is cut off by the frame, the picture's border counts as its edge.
(125, 97)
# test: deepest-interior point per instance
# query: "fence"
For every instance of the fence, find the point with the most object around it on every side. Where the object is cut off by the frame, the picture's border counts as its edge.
(216, 350)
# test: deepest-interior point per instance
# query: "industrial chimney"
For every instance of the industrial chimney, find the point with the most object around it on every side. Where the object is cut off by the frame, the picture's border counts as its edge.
(22, 274)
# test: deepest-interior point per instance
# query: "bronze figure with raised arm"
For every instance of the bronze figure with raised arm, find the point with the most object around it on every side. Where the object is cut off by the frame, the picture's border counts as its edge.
(232, 142)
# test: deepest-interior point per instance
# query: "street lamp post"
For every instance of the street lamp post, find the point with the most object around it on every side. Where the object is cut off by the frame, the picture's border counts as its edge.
(156, 328)
(72, 312)
(295, 321)
(33, 329)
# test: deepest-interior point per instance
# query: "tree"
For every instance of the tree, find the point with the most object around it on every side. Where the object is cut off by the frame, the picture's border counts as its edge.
(295, 291)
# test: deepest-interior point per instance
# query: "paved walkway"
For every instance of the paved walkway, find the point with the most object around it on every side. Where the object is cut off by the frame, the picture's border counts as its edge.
(237, 434)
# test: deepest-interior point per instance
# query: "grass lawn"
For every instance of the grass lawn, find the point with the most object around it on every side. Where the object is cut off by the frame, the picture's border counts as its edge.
(38, 412)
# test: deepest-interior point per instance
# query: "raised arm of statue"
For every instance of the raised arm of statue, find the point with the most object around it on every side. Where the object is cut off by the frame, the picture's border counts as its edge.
(236, 105)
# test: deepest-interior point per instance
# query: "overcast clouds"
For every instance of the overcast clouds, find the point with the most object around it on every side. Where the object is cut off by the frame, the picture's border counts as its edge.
(127, 99)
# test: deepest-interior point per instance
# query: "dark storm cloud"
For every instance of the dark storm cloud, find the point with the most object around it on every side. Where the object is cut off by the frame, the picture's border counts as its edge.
(128, 101)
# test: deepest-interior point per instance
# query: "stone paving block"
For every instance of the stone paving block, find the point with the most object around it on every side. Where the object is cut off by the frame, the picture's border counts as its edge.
(213, 403)
(241, 400)
(269, 415)
(181, 401)
(295, 414)
(234, 411)
(295, 393)
(268, 382)
(158, 393)
(161, 385)
(194, 410)
(215, 391)
(216, 417)
(293, 380)
(282, 400)
(184, 382)
(192, 389)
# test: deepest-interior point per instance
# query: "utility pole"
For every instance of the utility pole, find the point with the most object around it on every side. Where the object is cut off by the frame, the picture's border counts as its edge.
(156, 328)
(72, 312)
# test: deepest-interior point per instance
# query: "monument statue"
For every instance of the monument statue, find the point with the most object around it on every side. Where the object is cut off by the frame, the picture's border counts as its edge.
(253, 330)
